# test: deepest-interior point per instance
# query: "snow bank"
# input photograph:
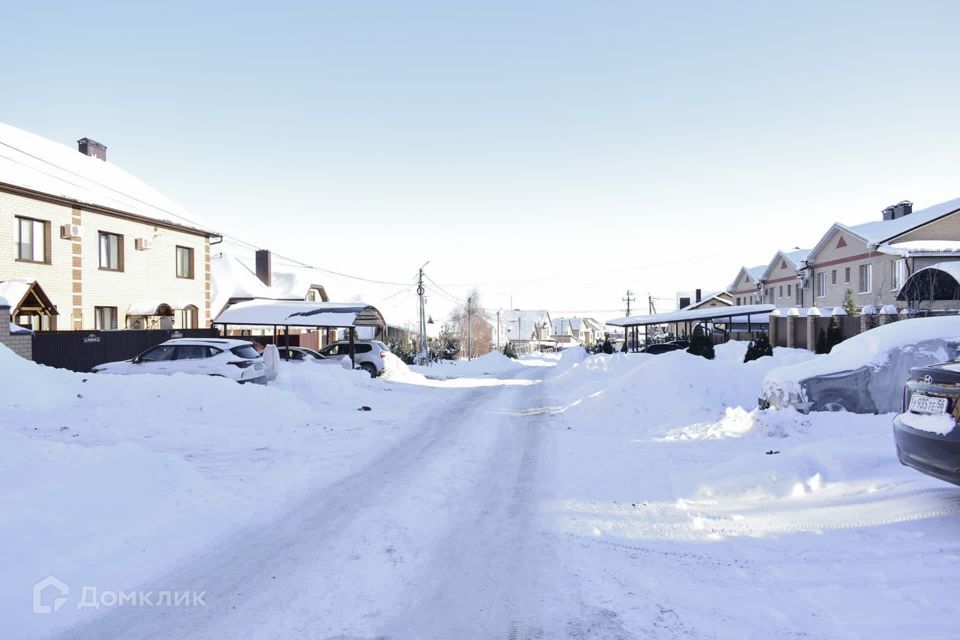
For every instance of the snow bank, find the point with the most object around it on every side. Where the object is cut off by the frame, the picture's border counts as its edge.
(653, 392)
(112, 479)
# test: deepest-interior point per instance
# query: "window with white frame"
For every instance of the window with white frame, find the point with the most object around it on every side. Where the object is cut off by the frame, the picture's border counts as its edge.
(184, 262)
(31, 240)
(898, 269)
(111, 251)
(105, 318)
(866, 278)
(821, 285)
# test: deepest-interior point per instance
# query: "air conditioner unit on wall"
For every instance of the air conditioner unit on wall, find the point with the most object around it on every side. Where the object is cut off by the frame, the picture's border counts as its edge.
(143, 244)
(70, 231)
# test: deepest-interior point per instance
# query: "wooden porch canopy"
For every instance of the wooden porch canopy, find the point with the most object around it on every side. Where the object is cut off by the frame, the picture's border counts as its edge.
(27, 298)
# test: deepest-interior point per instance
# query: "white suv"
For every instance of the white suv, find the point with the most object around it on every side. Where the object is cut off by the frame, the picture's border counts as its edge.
(234, 359)
(369, 355)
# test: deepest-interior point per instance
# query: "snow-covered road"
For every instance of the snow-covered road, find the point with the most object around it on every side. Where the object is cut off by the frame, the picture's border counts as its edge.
(610, 497)
(438, 537)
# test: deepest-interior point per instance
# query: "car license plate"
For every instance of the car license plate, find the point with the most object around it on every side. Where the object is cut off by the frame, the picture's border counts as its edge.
(927, 404)
(257, 366)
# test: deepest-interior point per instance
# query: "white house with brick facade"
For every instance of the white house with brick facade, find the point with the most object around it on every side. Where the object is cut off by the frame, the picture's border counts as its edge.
(108, 251)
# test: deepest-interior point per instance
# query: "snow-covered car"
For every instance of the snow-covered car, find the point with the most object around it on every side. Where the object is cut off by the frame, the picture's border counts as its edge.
(369, 355)
(925, 432)
(234, 359)
(866, 373)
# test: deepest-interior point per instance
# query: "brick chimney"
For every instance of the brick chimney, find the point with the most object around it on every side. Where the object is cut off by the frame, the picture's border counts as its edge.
(92, 148)
(699, 295)
(264, 267)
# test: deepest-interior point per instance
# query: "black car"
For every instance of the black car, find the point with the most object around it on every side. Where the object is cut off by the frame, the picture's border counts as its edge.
(925, 432)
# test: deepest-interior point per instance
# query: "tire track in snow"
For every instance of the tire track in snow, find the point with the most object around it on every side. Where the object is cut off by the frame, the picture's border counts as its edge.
(262, 581)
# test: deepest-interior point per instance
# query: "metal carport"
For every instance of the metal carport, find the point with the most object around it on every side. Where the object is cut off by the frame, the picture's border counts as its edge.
(761, 312)
(303, 314)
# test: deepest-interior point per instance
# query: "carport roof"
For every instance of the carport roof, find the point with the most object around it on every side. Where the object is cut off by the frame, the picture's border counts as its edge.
(695, 315)
(299, 313)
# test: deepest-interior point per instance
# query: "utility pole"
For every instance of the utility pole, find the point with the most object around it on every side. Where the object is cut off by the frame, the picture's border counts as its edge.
(423, 359)
(651, 308)
(519, 324)
(628, 300)
(469, 328)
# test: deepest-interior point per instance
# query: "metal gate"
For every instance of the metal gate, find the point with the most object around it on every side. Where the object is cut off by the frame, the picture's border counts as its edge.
(83, 350)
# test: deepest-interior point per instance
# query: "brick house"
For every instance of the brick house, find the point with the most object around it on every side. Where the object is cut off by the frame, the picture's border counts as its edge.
(108, 251)
(745, 288)
(873, 260)
(781, 281)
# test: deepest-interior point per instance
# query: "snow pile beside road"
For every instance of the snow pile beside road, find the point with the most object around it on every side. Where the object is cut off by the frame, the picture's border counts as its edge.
(655, 392)
(396, 370)
(110, 479)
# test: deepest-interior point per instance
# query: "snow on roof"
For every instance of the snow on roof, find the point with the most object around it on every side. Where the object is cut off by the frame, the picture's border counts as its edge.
(713, 295)
(299, 313)
(15, 290)
(230, 278)
(520, 324)
(32, 162)
(233, 275)
(796, 256)
(755, 274)
(921, 247)
(693, 315)
(566, 325)
(17, 330)
(883, 230)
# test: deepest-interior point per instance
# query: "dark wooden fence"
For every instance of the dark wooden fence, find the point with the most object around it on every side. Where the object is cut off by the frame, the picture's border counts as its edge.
(83, 350)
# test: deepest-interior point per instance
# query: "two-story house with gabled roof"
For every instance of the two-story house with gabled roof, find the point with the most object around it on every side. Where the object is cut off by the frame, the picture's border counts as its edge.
(873, 260)
(745, 288)
(93, 246)
(782, 281)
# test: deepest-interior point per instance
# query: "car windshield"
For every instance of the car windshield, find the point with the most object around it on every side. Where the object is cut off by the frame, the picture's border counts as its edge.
(245, 351)
(158, 354)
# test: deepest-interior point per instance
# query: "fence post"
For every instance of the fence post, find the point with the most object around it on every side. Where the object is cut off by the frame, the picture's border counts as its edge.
(773, 330)
(812, 332)
(791, 321)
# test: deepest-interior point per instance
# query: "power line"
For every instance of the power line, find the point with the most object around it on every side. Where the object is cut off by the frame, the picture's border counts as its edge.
(164, 210)
(442, 290)
(652, 265)
(298, 263)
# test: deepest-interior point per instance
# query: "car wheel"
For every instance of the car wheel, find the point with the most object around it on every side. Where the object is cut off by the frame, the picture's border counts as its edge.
(369, 368)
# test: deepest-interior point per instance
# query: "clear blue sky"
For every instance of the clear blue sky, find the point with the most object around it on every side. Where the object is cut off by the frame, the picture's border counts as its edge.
(655, 146)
